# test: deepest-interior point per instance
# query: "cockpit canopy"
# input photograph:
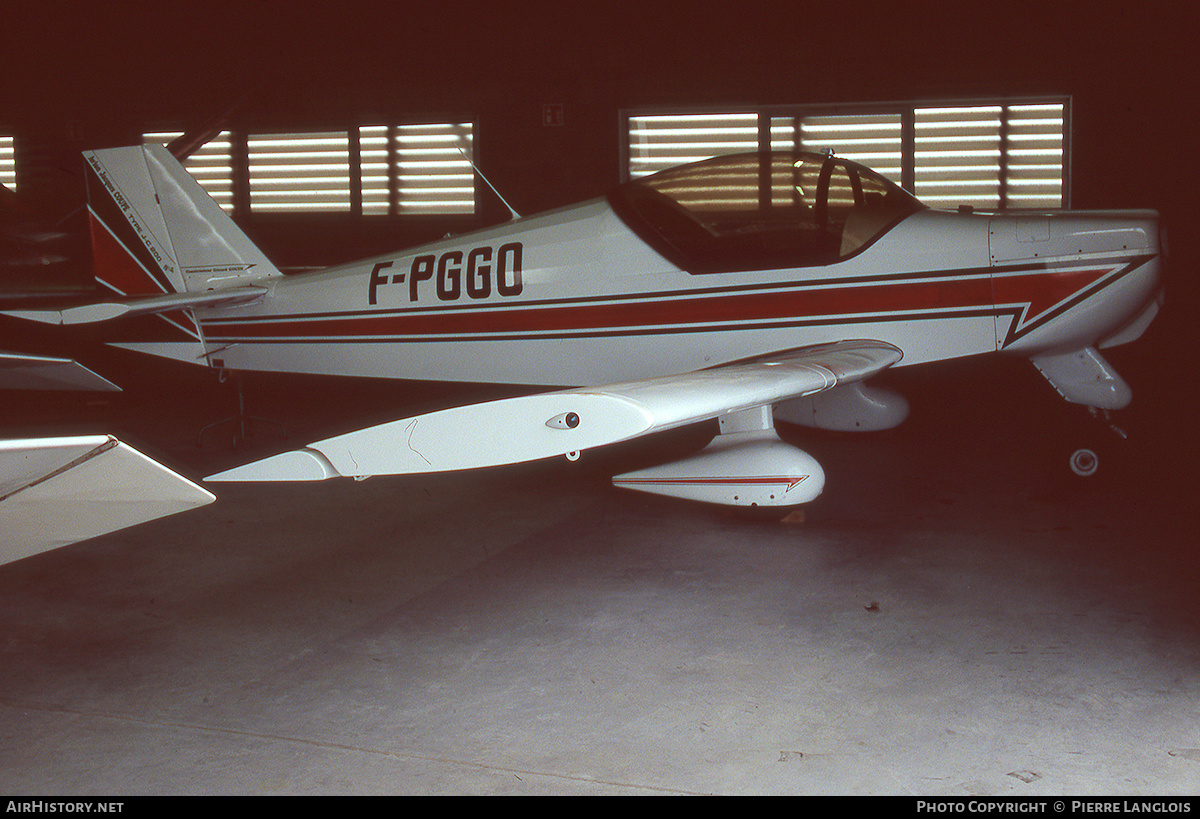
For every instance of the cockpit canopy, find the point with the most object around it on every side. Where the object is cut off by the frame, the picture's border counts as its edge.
(762, 211)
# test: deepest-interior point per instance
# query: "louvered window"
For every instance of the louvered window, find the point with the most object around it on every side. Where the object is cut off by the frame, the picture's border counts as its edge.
(8, 163)
(299, 172)
(211, 164)
(417, 169)
(657, 142)
(993, 154)
(958, 156)
(375, 169)
(1036, 154)
(874, 140)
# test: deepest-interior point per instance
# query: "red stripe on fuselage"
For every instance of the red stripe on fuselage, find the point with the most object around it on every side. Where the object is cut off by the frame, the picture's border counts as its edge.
(1043, 288)
(725, 308)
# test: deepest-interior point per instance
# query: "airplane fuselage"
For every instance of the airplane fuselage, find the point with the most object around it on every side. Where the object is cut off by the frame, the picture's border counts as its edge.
(575, 296)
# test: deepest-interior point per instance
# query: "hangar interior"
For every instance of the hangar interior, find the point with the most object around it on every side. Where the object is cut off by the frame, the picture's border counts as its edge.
(957, 614)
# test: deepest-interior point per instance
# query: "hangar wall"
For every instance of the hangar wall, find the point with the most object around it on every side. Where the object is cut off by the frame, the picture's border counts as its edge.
(93, 80)
(96, 78)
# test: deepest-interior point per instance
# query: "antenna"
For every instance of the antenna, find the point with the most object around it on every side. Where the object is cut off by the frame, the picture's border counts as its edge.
(515, 215)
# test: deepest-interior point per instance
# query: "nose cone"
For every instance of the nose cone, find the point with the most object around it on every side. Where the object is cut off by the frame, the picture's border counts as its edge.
(1074, 278)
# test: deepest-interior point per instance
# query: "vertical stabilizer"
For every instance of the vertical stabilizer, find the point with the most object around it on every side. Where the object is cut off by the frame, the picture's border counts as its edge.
(155, 230)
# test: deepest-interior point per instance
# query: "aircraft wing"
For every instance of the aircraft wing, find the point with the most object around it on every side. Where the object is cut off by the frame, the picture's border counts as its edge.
(56, 491)
(23, 371)
(526, 428)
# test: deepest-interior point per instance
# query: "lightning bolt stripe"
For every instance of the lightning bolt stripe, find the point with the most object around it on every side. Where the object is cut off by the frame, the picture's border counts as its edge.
(1033, 304)
(1030, 294)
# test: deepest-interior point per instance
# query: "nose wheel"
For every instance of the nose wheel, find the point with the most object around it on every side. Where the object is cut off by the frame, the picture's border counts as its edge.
(1085, 462)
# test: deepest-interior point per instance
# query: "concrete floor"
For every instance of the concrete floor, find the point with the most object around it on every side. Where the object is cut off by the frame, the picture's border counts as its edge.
(951, 618)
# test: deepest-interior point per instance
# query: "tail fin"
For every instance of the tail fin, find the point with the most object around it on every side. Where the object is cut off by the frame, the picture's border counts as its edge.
(156, 231)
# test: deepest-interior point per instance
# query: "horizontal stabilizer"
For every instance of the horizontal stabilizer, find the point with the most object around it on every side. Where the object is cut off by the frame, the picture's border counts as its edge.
(56, 491)
(526, 428)
(108, 310)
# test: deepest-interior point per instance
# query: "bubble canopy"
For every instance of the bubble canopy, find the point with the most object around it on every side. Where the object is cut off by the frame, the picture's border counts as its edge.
(761, 211)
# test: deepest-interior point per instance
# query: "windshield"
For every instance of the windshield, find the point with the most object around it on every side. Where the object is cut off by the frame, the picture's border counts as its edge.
(762, 211)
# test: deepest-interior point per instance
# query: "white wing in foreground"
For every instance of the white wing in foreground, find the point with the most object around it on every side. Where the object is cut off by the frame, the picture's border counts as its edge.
(526, 428)
(55, 491)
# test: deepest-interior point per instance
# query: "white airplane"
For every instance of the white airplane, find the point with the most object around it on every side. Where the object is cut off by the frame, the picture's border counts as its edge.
(747, 288)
